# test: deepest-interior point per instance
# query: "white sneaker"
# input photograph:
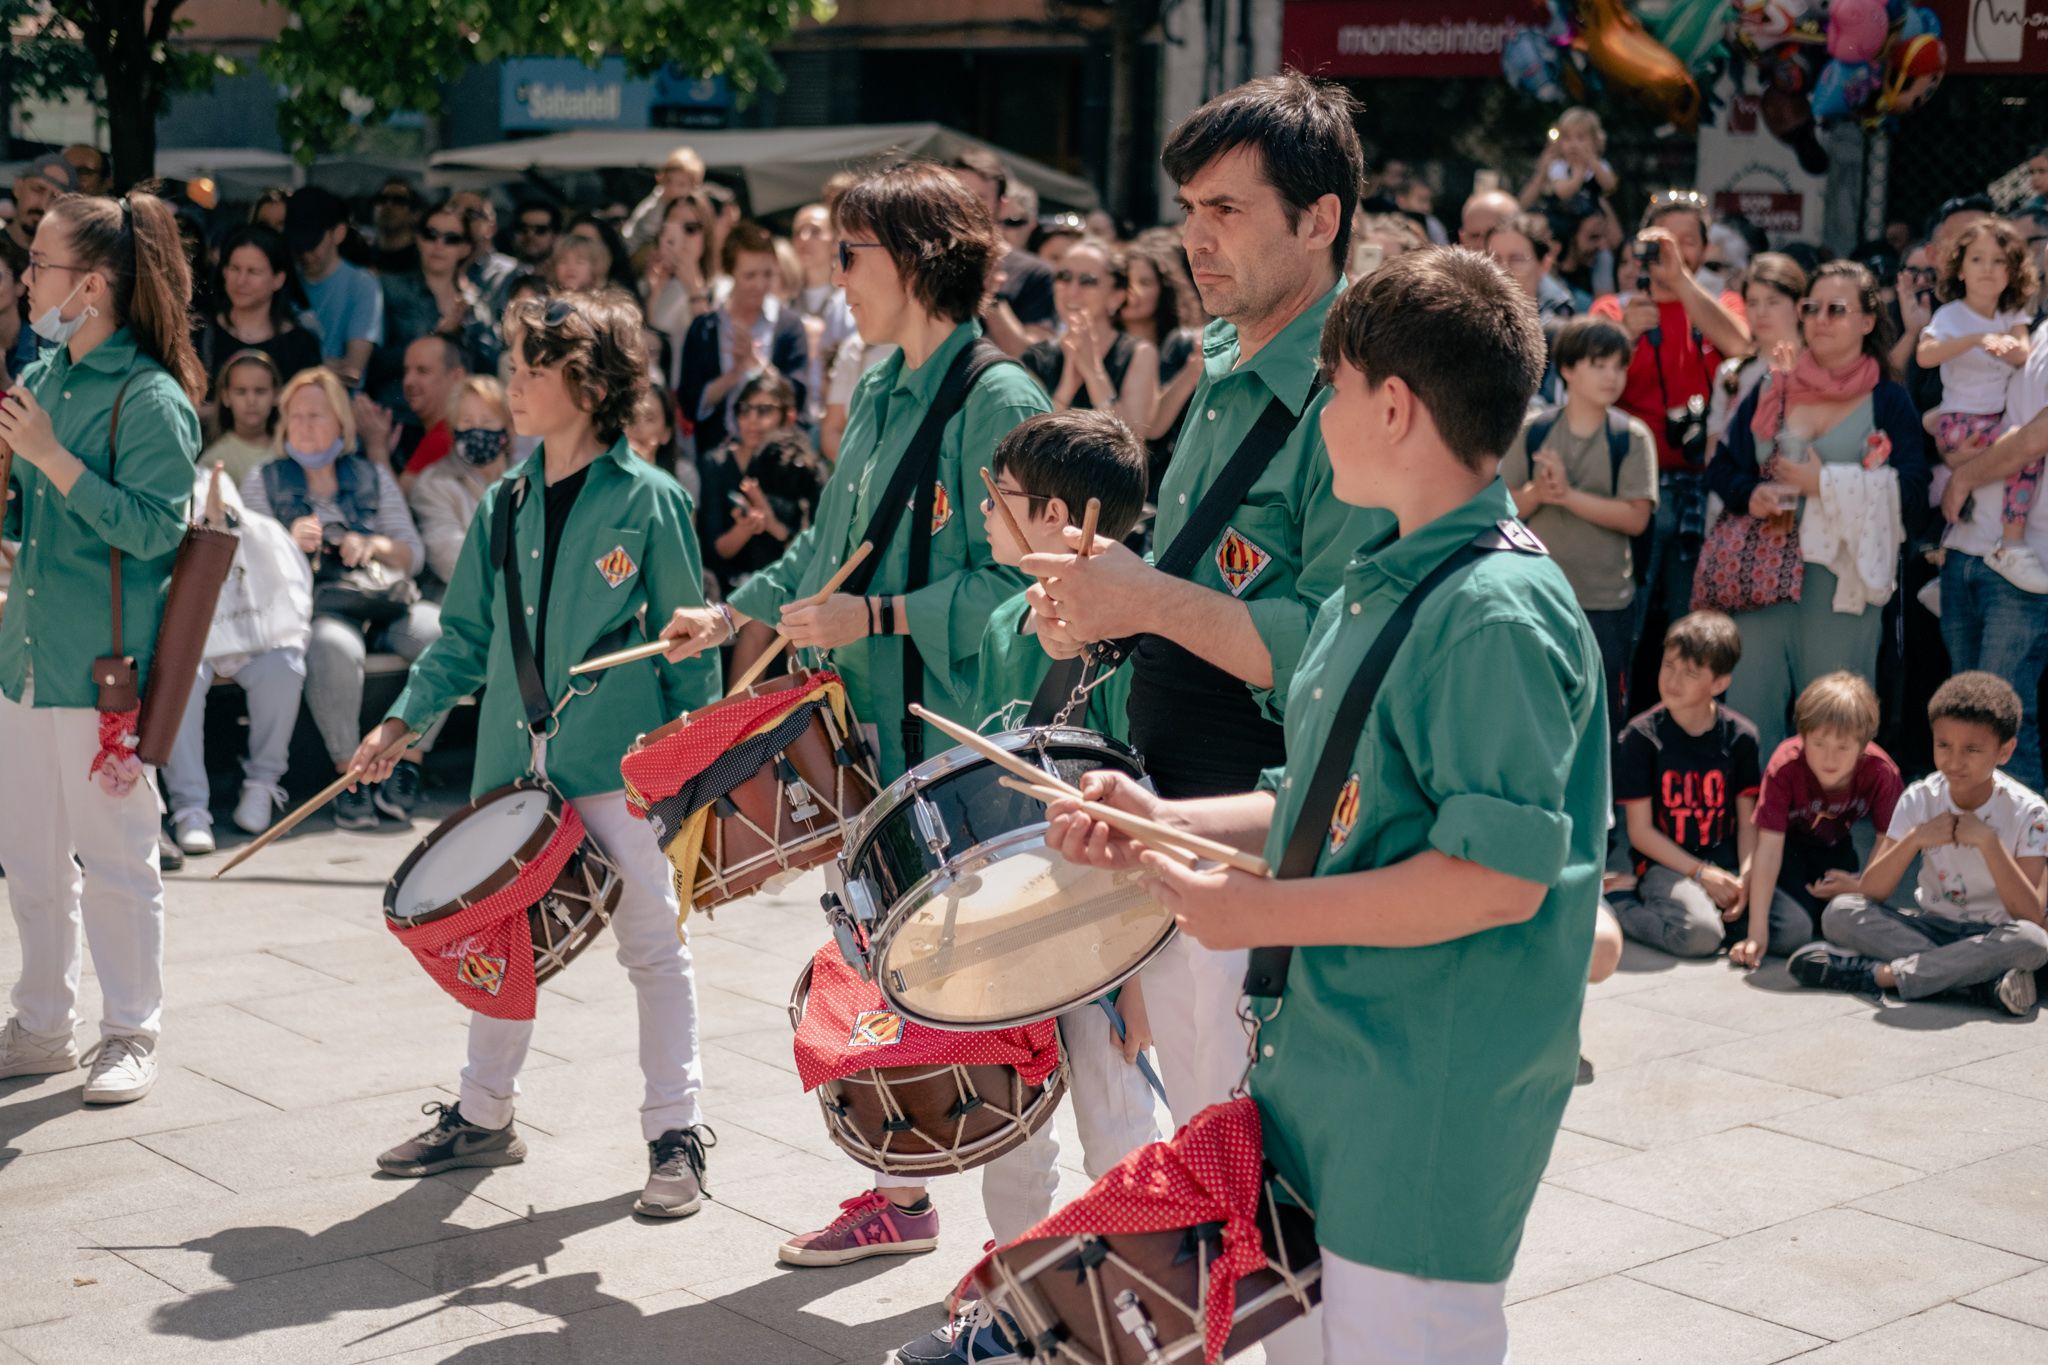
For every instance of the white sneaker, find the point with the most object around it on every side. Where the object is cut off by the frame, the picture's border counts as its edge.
(32, 1054)
(123, 1069)
(194, 829)
(2019, 566)
(260, 801)
(2016, 991)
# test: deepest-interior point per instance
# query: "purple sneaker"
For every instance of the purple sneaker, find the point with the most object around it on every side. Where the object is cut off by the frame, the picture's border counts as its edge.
(867, 1225)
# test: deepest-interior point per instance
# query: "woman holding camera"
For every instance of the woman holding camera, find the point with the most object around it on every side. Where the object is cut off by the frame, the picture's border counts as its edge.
(349, 518)
(107, 284)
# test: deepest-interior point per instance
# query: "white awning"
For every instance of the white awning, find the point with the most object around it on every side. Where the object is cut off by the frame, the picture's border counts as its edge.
(782, 167)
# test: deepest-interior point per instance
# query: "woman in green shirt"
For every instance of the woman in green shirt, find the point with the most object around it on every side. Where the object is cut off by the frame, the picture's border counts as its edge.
(107, 284)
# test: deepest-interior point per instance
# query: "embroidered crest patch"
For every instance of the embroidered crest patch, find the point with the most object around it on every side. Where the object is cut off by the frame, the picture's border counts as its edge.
(876, 1028)
(483, 973)
(1239, 561)
(1345, 816)
(942, 508)
(618, 566)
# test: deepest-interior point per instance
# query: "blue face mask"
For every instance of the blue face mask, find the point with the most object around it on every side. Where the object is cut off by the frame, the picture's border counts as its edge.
(52, 326)
(317, 459)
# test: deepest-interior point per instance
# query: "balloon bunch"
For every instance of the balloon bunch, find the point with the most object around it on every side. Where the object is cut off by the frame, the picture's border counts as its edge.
(1592, 46)
(1822, 64)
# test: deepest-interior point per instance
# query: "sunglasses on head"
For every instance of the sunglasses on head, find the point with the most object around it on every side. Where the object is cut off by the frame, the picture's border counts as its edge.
(1069, 277)
(558, 312)
(1835, 308)
(846, 250)
(444, 238)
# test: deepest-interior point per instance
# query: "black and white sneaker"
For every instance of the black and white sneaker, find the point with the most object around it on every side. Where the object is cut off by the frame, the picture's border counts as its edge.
(453, 1141)
(966, 1340)
(1818, 966)
(354, 809)
(675, 1173)
(398, 794)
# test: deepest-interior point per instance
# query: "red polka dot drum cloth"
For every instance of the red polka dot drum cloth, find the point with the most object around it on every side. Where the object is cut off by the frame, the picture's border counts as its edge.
(848, 1028)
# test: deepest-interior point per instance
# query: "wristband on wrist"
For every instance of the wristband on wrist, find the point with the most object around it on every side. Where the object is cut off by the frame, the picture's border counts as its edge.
(888, 615)
(732, 625)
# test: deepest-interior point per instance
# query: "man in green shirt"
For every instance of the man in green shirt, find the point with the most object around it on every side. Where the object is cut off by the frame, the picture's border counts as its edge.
(1269, 175)
(1412, 1071)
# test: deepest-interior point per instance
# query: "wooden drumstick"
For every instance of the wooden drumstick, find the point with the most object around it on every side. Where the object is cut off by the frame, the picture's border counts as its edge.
(655, 648)
(1003, 507)
(995, 753)
(816, 599)
(328, 793)
(1088, 520)
(1175, 843)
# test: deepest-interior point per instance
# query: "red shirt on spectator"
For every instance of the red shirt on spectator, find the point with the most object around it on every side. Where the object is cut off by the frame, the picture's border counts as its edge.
(1689, 366)
(1792, 801)
(437, 442)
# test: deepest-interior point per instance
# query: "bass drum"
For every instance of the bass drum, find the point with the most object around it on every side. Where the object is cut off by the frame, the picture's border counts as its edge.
(985, 927)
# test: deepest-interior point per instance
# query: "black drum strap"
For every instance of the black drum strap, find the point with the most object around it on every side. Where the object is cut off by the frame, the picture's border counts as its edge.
(1055, 689)
(533, 693)
(1266, 974)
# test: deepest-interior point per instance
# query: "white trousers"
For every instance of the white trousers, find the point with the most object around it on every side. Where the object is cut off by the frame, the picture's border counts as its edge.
(1191, 994)
(1370, 1316)
(49, 811)
(656, 961)
(1112, 1113)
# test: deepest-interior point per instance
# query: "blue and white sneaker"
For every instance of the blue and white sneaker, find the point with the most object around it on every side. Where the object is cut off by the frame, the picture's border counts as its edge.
(959, 1342)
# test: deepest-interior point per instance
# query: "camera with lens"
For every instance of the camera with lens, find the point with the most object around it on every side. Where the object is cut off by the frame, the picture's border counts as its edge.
(1685, 429)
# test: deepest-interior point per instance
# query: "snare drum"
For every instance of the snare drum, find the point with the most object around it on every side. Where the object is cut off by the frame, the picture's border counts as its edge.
(949, 900)
(502, 895)
(782, 770)
(914, 1119)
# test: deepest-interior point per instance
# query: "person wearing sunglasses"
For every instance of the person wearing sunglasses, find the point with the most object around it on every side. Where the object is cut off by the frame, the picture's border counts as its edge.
(1020, 215)
(534, 230)
(395, 213)
(440, 299)
(1095, 363)
(679, 284)
(1021, 312)
(740, 529)
(1827, 431)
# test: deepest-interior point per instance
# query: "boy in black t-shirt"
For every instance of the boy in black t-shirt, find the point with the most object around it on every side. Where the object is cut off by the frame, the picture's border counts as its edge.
(1686, 772)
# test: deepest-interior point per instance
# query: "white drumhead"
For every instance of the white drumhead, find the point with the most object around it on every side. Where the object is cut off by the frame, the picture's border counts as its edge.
(1021, 937)
(468, 852)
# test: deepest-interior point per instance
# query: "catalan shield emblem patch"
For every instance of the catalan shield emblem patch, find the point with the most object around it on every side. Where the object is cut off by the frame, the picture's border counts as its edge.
(1239, 561)
(876, 1028)
(481, 972)
(1345, 816)
(942, 508)
(618, 566)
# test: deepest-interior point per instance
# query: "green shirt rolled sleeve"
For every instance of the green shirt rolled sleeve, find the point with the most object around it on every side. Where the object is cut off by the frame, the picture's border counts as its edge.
(457, 663)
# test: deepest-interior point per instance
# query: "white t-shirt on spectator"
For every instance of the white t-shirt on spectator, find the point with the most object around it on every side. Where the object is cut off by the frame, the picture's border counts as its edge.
(1976, 380)
(1955, 882)
(1981, 529)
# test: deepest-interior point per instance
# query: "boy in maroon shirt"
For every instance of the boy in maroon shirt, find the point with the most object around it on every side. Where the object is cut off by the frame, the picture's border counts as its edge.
(1816, 787)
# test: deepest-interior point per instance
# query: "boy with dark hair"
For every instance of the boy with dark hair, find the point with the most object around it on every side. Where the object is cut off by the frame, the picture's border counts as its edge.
(1584, 476)
(1686, 773)
(1449, 881)
(1046, 470)
(1982, 840)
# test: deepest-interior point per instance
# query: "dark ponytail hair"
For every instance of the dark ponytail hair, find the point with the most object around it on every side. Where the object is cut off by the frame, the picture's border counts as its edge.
(134, 241)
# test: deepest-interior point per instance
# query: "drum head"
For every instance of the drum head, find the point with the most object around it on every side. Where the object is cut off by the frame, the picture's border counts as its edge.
(466, 852)
(1017, 934)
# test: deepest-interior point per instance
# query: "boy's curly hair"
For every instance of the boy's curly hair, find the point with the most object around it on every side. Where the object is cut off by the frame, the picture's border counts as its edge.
(598, 339)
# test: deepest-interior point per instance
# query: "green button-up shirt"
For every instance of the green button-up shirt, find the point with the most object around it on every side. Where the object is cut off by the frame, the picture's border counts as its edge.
(1014, 664)
(965, 584)
(1412, 1094)
(629, 551)
(59, 614)
(1292, 535)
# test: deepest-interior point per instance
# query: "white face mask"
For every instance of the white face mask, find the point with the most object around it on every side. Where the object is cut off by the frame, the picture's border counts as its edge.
(52, 326)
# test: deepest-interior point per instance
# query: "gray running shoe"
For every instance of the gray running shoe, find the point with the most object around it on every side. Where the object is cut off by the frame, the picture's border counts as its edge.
(453, 1141)
(675, 1173)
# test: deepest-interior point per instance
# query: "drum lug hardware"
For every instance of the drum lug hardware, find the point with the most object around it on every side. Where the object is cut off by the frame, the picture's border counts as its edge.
(933, 827)
(1130, 1315)
(962, 1108)
(802, 804)
(902, 1125)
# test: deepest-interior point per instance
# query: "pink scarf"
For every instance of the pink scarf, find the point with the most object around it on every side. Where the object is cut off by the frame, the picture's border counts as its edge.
(1809, 383)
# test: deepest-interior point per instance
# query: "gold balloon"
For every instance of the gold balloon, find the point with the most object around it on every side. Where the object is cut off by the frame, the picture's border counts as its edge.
(202, 192)
(1634, 63)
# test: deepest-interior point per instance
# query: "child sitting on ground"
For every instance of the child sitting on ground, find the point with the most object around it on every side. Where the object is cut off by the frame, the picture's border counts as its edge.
(1686, 773)
(1816, 787)
(1982, 839)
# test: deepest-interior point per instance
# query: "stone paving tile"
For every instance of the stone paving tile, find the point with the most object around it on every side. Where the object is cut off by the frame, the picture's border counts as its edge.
(243, 1237)
(356, 1310)
(1929, 1123)
(761, 976)
(1672, 1100)
(1572, 1151)
(2001, 1202)
(1950, 1332)
(198, 925)
(1855, 1053)
(1572, 1238)
(1763, 1001)
(1740, 1180)
(1834, 1273)
(661, 1329)
(58, 1189)
(1618, 1033)
(46, 1113)
(194, 982)
(2023, 1299)
(584, 1258)
(53, 1273)
(277, 1063)
(1620, 1321)
(567, 1172)
(402, 1003)
(279, 1149)
(363, 959)
(2016, 1073)
(1641, 969)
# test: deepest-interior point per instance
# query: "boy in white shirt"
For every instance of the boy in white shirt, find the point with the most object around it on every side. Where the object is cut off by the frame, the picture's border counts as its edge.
(1982, 840)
